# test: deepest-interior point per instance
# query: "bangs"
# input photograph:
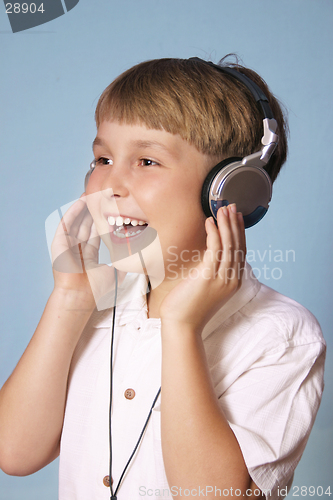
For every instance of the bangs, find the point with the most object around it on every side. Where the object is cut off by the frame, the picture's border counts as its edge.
(142, 97)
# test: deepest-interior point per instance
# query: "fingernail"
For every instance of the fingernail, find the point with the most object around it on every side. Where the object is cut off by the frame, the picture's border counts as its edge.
(233, 208)
(225, 211)
(211, 220)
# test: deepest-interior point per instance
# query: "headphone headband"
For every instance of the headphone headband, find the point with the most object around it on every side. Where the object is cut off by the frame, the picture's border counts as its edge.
(269, 140)
(258, 94)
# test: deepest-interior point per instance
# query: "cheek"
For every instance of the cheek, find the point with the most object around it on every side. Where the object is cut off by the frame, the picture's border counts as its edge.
(184, 203)
(170, 195)
(94, 200)
(93, 197)
(94, 183)
(188, 217)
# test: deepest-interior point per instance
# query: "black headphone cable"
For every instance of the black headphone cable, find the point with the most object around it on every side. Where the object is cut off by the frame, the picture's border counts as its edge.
(114, 494)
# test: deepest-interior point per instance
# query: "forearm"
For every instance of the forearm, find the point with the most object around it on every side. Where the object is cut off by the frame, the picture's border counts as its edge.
(32, 401)
(199, 447)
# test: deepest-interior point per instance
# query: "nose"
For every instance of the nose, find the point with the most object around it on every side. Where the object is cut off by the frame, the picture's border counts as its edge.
(116, 178)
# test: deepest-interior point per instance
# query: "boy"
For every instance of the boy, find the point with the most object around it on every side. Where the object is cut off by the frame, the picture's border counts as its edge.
(240, 366)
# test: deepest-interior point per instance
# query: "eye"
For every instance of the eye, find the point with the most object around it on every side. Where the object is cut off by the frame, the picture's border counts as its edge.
(102, 161)
(145, 162)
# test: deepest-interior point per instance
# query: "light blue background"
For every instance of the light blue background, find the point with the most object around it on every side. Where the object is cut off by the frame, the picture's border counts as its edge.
(51, 78)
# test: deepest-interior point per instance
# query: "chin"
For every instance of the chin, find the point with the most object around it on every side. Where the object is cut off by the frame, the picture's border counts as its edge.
(146, 260)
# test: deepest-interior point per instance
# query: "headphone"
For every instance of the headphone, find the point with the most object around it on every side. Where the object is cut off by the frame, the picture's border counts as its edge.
(243, 180)
(239, 180)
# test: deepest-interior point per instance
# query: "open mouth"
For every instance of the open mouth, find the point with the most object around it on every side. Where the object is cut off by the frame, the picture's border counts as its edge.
(129, 236)
(123, 229)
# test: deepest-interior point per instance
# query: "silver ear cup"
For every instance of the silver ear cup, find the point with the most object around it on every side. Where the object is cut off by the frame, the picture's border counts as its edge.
(249, 187)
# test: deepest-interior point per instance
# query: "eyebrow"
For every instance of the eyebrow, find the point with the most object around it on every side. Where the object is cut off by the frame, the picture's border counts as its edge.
(98, 142)
(171, 152)
(138, 143)
(149, 144)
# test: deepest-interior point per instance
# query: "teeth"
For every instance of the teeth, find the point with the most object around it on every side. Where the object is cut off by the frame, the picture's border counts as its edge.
(126, 235)
(120, 221)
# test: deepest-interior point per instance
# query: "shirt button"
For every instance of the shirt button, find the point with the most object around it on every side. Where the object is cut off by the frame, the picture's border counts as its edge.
(129, 393)
(106, 481)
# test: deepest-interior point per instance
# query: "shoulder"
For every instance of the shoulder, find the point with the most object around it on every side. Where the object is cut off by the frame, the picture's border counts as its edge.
(285, 317)
(267, 327)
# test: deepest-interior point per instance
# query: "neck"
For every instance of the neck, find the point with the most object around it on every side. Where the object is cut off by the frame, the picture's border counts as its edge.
(156, 296)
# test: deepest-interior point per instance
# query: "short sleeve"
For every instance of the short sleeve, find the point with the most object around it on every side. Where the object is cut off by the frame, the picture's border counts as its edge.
(271, 408)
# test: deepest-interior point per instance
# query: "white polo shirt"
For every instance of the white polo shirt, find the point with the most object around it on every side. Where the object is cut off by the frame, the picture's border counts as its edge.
(266, 357)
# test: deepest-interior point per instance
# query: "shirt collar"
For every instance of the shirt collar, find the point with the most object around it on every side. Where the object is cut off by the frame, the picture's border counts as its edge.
(249, 288)
(131, 301)
(132, 304)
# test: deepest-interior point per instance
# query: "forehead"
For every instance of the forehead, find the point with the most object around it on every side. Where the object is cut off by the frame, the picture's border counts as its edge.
(115, 135)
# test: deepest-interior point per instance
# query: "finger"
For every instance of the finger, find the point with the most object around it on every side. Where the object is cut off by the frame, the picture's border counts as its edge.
(84, 230)
(237, 227)
(238, 249)
(226, 236)
(77, 223)
(69, 217)
(242, 243)
(213, 253)
(242, 232)
(94, 237)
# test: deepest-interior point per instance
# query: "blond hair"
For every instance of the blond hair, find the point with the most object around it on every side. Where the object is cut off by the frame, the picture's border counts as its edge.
(208, 108)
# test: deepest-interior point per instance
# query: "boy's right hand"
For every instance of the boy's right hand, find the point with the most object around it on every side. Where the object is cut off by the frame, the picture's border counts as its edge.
(33, 399)
(75, 257)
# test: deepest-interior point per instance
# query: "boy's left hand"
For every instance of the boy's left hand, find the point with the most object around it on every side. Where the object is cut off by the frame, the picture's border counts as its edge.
(216, 278)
